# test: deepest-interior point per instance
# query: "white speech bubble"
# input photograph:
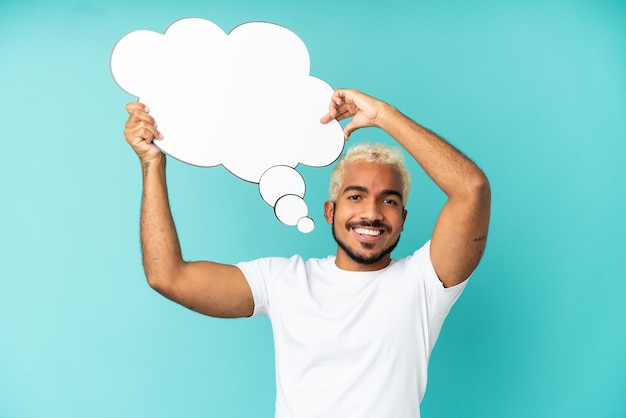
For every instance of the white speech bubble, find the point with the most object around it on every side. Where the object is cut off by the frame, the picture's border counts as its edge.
(244, 100)
(291, 210)
(279, 181)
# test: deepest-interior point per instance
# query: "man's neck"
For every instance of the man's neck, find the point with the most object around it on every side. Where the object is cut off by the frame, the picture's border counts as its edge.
(345, 262)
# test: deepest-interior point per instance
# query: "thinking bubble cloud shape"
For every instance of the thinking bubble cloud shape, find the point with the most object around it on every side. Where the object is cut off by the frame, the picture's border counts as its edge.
(244, 100)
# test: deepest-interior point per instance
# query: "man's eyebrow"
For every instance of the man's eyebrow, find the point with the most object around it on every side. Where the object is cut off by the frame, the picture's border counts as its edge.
(387, 192)
(391, 192)
(355, 188)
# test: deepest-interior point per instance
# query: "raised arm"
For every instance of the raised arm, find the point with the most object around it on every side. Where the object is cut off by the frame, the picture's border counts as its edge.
(210, 288)
(460, 233)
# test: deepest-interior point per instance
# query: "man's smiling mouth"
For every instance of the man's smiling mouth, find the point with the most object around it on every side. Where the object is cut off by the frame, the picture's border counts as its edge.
(367, 231)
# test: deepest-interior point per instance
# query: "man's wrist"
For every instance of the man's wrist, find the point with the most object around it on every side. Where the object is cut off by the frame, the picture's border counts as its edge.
(152, 162)
(386, 116)
(153, 159)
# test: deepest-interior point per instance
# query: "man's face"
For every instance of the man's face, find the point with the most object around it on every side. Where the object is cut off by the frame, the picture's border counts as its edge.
(367, 217)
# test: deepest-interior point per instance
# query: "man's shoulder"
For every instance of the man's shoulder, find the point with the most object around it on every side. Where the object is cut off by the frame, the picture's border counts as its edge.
(419, 256)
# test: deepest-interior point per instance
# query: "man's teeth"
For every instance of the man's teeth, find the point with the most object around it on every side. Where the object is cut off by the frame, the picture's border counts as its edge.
(365, 231)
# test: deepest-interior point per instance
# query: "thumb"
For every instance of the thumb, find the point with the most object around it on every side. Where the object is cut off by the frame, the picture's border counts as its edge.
(349, 128)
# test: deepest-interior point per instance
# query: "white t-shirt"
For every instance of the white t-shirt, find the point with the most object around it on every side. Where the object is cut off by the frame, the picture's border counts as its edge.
(350, 344)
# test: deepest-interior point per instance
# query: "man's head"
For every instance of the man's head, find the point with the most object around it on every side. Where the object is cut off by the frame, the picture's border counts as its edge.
(374, 153)
(368, 190)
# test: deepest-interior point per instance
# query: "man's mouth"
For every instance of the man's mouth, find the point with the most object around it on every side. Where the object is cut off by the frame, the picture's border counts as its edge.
(367, 231)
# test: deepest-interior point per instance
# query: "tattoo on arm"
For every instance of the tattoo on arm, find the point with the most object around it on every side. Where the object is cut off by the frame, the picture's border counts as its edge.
(145, 168)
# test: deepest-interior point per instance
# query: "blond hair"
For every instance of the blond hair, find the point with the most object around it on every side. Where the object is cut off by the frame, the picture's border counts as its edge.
(373, 153)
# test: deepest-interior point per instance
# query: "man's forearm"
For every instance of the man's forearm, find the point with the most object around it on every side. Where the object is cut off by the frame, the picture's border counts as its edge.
(159, 240)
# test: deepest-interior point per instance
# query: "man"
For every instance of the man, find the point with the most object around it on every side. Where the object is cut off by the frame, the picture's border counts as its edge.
(353, 332)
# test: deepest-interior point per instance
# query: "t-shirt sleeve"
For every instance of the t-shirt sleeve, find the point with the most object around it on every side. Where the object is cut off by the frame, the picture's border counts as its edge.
(441, 298)
(256, 272)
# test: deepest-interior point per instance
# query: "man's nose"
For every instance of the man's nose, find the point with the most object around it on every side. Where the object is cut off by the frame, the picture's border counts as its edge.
(370, 210)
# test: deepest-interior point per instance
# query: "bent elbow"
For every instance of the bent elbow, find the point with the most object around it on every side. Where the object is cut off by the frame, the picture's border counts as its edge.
(160, 282)
(154, 281)
(476, 188)
(481, 187)
(161, 273)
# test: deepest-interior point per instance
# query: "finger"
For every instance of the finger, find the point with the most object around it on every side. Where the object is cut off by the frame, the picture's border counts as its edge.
(326, 118)
(151, 130)
(336, 115)
(339, 96)
(141, 136)
(344, 114)
(141, 131)
(349, 128)
(134, 106)
(332, 108)
(141, 116)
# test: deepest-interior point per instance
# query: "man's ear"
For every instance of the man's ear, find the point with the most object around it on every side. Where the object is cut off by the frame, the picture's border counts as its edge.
(404, 213)
(329, 210)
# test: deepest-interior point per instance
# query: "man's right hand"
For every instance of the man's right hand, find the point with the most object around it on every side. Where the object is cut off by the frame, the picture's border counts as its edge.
(141, 130)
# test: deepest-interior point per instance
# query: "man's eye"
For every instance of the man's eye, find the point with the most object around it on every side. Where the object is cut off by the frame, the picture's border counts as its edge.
(354, 197)
(390, 202)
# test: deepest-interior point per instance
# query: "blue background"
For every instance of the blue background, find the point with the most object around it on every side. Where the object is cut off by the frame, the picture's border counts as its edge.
(533, 91)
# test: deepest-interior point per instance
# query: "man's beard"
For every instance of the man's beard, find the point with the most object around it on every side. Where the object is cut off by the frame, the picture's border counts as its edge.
(359, 258)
